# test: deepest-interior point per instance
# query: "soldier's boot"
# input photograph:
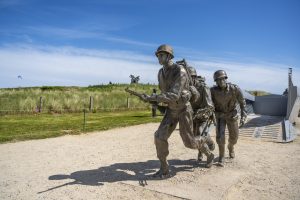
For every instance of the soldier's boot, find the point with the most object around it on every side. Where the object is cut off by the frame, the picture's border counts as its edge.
(231, 150)
(210, 156)
(163, 172)
(221, 155)
(210, 143)
(200, 156)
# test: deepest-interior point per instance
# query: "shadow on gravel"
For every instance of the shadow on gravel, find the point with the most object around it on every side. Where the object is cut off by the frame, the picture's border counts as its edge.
(263, 120)
(139, 171)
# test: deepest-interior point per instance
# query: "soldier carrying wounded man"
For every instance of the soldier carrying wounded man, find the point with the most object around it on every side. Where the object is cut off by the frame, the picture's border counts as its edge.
(203, 110)
(175, 89)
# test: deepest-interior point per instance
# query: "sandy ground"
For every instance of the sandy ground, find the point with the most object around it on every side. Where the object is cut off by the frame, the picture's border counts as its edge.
(116, 164)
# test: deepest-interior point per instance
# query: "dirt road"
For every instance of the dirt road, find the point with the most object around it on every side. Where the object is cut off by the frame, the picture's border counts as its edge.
(116, 164)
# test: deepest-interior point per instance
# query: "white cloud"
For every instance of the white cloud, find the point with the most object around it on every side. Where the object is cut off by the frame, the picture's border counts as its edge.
(76, 33)
(10, 3)
(40, 65)
(71, 66)
(93, 32)
(62, 32)
(250, 76)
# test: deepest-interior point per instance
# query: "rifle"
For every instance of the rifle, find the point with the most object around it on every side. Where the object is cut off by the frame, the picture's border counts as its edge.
(140, 95)
(161, 109)
(203, 113)
(206, 113)
(212, 119)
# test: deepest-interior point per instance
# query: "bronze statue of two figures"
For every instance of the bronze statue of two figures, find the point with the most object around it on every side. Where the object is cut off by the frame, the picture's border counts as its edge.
(194, 106)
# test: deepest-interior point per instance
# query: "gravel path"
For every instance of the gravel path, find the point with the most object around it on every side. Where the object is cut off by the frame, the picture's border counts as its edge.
(116, 164)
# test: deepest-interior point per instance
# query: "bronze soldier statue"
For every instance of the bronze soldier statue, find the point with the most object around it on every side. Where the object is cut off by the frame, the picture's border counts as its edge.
(225, 97)
(174, 84)
(203, 110)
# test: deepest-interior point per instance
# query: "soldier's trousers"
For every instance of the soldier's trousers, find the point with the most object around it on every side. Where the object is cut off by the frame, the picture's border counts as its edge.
(233, 129)
(199, 126)
(171, 118)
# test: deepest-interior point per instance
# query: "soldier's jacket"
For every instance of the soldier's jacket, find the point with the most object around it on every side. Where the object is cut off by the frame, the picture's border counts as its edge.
(204, 99)
(225, 101)
(174, 85)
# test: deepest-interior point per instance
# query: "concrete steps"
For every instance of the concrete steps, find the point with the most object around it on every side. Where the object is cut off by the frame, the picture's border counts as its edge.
(262, 127)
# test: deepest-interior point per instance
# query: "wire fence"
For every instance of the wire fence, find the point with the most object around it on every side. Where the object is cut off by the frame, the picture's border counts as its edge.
(41, 107)
(15, 112)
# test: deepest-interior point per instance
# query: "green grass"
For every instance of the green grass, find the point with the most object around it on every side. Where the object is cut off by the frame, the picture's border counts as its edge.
(71, 99)
(38, 126)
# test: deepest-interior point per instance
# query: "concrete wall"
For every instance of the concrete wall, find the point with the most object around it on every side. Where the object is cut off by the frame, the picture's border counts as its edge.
(295, 111)
(292, 96)
(274, 105)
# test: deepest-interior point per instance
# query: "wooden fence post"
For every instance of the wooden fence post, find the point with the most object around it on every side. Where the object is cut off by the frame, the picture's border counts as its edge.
(91, 103)
(84, 119)
(128, 104)
(40, 104)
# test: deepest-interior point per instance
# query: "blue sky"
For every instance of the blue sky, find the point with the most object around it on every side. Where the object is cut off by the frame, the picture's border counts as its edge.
(93, 42)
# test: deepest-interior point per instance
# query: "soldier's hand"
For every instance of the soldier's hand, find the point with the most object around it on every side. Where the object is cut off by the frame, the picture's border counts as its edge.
(194, 93)
(193, 89)
(145, 97)
(186, 95)
(152, 98)
(242, 121)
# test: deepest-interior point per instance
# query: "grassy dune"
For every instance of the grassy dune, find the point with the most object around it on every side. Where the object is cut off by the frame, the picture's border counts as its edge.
(62, 110)
(71, 99)
(258, 92)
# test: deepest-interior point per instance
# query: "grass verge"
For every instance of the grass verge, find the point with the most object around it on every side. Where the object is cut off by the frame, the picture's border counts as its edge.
(25, 127)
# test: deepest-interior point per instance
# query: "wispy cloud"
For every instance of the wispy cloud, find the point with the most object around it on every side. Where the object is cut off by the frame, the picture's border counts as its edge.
(271, 77)
(248, 72)
(67, 65)
(71, 34)
(71, 66)
(9, 3)
(62, 32)
(128, 41)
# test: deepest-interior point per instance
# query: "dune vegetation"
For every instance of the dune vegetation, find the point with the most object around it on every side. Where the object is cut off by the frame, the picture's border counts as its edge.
(67, 110)
(72, 99)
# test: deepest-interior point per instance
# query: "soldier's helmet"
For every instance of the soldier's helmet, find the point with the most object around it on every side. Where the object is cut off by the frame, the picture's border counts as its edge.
(220, 74)
(165, 48)
(201, 78)
(192, 71)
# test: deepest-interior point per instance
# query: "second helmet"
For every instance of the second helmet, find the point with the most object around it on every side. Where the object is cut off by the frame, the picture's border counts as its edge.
(220, 74)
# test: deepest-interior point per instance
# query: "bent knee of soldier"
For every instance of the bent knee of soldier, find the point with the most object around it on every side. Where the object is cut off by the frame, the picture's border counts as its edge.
(233, 140)
(189, 144)
(193, 143)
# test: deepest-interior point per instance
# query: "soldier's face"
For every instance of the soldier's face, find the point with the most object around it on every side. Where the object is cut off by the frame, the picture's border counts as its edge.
(221, 82)
(163, 58)
(194, 79)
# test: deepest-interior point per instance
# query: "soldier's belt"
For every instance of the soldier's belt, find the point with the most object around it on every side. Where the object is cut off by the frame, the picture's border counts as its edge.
(231, 114)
